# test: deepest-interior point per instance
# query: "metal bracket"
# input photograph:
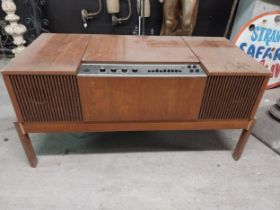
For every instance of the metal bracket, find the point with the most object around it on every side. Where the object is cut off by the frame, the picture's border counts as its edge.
(86, 16)
(117, 20)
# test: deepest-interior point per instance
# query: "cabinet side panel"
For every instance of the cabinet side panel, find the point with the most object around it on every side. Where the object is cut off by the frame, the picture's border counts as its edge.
(13, 97)
(230, 97)
(260, 95)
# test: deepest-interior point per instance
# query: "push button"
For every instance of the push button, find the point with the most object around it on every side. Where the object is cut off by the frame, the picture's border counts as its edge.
(102, 69)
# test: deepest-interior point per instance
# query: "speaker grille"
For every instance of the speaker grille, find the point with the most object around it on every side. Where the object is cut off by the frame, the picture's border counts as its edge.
(47, 98)
(230, 97)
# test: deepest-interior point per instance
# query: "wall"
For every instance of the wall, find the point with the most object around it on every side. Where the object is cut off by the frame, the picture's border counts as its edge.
(248, 9)
(64, 16)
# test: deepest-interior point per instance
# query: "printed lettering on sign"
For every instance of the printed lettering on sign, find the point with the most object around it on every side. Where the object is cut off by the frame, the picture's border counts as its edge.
(260, 39)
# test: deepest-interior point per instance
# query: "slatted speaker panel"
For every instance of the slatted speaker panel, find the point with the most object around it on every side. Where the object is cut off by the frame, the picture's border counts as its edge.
(47, 98)
(230, 97)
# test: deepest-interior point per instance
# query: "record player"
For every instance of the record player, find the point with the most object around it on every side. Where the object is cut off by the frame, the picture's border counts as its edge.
(104, 83)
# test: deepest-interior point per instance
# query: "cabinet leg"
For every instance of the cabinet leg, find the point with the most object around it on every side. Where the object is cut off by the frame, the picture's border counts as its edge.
(242, 141)
(27, 146)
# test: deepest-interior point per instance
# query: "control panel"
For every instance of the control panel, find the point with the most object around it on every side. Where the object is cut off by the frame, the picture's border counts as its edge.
(142, 70)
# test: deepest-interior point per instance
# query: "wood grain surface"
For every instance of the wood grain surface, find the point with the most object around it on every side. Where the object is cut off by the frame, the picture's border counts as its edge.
(138, 49)
(135, 126)
(109, 99)
(13, 98)
(63, 53)
(50, 54)
(220, 57)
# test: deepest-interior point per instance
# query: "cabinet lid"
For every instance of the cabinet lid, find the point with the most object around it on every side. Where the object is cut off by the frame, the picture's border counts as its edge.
(220, 57)
(50, 54)
(138, 49)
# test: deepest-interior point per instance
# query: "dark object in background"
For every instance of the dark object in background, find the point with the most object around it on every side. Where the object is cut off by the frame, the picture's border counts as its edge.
(6, 41)
(179, 17)
(275, 110)
(71, 22)
(64, 16)
(31, 14)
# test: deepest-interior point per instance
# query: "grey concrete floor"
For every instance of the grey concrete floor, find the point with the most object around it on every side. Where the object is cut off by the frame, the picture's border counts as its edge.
(136, 170)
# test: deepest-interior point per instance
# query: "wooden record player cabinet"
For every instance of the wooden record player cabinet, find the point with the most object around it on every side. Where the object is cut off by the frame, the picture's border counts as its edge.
(60, 84)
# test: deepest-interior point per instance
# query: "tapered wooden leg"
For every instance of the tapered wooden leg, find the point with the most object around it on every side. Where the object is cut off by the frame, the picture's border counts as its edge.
(242, 141)
(27, 146)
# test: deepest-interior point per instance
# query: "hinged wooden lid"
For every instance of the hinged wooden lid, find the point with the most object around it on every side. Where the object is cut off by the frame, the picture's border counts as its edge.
(50, 54)
(138, 49)
(63, 53)
(220, 57)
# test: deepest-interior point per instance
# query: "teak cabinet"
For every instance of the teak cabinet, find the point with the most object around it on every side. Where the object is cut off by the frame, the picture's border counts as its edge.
(49, 94)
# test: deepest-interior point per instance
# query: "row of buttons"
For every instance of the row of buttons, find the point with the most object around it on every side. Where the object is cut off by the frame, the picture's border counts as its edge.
(192, 66)
(172, 71)
(103, 70)
(115, 70)
(136, 70)
(164, 70)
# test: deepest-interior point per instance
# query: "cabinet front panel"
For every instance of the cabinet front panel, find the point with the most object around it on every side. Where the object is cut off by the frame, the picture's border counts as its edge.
(47, 98)
(119, 99)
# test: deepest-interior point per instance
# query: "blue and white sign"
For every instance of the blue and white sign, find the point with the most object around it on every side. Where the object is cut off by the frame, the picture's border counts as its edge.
(260, 39)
